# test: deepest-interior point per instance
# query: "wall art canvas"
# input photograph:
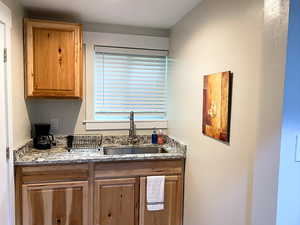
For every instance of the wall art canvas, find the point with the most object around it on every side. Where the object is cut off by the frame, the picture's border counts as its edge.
(217, 105)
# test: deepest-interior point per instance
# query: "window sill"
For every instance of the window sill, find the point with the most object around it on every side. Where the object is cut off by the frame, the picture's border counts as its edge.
(124, 125)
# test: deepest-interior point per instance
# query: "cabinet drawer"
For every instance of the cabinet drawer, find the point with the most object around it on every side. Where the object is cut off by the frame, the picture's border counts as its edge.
(43, 174)
(143, 168)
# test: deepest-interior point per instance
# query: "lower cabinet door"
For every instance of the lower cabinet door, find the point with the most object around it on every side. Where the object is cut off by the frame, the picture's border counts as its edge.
(172, 213)
(55, 203)
(116, 202)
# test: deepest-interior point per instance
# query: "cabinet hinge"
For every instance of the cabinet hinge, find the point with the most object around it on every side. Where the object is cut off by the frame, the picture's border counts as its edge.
(7, 153)
(5, 55)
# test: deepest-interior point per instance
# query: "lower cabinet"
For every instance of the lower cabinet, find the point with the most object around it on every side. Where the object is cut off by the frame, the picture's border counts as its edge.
(55, 203)
(172, 213)
(97, 194)
(116, 201)
(124, 202)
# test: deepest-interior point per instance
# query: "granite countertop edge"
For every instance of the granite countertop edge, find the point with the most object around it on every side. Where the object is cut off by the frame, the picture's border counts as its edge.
(115, 158)
(28, 156)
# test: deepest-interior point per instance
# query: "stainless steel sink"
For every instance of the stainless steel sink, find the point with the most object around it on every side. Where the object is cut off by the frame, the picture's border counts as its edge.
(133, 150)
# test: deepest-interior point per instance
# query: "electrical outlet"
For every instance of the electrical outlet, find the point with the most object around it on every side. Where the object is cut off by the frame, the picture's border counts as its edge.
(54, 124)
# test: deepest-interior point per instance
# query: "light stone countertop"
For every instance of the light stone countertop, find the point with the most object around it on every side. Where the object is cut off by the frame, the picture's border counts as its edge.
(60, 155)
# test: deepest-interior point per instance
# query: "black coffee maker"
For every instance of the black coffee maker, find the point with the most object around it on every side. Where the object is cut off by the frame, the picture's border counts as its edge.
(42, 139)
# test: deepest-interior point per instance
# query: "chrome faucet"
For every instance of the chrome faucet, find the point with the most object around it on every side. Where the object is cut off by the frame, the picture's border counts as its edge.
(132, 138)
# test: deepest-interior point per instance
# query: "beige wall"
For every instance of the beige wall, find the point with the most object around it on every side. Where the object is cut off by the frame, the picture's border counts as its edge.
(123, 29)
(21, 124)
(220, 36)
(71, 114)
(271, 88)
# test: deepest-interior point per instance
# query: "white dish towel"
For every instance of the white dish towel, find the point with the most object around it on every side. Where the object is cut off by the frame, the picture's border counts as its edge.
(155, 193)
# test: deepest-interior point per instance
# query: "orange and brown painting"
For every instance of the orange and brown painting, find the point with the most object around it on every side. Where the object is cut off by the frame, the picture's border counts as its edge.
(216, 105)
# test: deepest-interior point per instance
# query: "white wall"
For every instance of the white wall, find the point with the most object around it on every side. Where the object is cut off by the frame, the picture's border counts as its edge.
(223, 182)
(21, 124)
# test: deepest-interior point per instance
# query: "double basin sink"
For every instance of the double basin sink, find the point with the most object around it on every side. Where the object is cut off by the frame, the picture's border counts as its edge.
(133, 150)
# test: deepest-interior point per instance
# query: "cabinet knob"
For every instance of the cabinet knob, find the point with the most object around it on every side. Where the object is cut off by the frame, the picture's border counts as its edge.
(58, 221)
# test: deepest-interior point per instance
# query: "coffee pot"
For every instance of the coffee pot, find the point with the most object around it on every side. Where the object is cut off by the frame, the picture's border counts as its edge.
(42, 138)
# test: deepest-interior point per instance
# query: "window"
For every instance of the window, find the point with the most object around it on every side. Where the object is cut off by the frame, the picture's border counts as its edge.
(128, 79)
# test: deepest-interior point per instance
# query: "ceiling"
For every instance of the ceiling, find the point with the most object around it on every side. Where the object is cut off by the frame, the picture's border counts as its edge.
(145, 13)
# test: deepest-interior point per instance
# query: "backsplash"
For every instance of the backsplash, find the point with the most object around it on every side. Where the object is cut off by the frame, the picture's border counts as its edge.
(123, 140)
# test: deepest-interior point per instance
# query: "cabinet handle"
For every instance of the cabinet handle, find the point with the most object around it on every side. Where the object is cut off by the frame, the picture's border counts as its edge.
(60, 61)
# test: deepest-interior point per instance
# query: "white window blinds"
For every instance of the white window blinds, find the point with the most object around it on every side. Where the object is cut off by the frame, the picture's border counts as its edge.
(130, 80)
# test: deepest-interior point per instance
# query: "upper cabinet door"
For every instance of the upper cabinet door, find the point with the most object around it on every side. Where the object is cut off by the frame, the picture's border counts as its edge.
(53, 59)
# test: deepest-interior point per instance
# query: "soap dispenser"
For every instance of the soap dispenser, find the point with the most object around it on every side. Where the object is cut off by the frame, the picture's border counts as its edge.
(154, 137)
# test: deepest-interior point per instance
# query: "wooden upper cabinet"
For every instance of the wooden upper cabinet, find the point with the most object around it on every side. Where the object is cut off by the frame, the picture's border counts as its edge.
(53, 59)
(55, 203)
(172, 213)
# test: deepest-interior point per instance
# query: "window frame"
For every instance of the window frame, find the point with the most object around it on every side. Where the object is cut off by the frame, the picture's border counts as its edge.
(92, 39)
